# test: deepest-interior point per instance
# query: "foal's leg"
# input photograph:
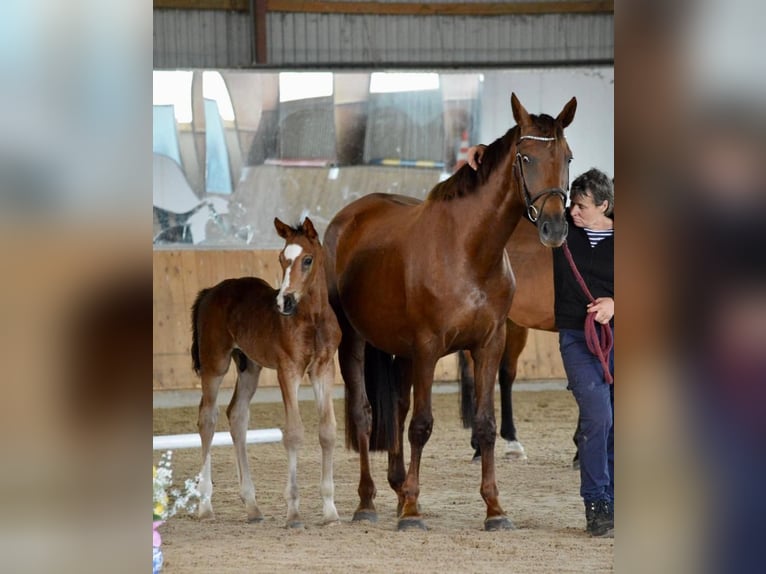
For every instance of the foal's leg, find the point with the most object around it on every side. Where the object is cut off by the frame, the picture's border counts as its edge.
(515, 341)
(487, 359)
(289, 380)
(239, 419)
(421, 425)
(322, 379)
(206, 421)
(358, 415)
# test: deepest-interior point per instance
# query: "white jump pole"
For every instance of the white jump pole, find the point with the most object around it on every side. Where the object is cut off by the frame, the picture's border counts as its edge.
(172, 441)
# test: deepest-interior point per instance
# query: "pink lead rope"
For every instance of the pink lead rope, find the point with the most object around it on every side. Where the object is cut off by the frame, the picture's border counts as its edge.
(599, 346)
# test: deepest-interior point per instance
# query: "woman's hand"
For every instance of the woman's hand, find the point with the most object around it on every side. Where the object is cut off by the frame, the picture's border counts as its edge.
(603, 307)
(474, 154)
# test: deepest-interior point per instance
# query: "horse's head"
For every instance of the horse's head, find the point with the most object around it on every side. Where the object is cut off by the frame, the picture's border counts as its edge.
(301, 261)
(541, 167)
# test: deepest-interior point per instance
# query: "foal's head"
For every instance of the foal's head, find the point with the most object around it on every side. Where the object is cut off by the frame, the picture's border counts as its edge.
(301, 261)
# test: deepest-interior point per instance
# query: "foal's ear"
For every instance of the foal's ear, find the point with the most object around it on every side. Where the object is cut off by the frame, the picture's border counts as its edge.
(567, 114)
(308, 229)
(283, 229)
(520, 114)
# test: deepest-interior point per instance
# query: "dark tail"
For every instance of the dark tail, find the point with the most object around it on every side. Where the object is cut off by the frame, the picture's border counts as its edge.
(196, 365)
(381, 381)
(467, 391)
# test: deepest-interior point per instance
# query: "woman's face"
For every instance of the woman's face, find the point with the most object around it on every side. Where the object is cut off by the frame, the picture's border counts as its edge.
(584, 212)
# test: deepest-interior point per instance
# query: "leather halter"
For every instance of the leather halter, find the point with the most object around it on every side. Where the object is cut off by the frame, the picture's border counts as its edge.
(532, 212)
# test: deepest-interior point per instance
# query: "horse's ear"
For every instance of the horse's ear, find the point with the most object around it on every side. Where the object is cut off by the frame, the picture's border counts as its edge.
(308, 229)
(567, 114)
(519, 113)
(283, 229)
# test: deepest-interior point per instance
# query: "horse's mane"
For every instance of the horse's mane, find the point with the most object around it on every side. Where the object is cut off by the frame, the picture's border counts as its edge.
(466, 181)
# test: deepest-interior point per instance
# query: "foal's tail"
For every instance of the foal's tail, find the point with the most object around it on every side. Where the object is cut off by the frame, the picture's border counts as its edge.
(467, 391)
(381, 380)
(196, 365)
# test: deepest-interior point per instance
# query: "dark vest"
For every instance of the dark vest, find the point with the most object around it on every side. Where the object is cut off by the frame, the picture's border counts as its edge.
(596, 265)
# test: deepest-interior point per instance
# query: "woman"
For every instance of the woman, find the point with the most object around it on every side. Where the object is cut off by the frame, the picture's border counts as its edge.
(591, 243)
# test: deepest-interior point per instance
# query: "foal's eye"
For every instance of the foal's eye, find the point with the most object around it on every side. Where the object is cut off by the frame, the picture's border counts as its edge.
(525, 158)
(307, 261)
(570, 160)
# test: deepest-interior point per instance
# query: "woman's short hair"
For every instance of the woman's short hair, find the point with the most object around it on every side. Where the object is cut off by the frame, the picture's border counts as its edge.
(598, 184)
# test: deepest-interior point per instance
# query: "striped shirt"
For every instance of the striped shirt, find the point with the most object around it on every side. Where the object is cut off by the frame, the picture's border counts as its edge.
(596, 235)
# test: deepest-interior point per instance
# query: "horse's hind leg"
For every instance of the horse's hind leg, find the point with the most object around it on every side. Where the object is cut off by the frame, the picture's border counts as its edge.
(515, 341)
(238, 413)
(468, 399)
(206, 421)
(289, 381)
(322, 379)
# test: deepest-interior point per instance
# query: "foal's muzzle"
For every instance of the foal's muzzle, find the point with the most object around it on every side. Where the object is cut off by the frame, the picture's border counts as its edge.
(289, 305)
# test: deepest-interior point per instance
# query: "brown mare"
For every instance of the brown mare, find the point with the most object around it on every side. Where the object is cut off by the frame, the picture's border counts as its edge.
(412, 282)
(291, 329)
(532, 308)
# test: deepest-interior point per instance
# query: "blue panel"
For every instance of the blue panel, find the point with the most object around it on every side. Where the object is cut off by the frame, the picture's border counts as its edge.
(217, 172)
(165, 136)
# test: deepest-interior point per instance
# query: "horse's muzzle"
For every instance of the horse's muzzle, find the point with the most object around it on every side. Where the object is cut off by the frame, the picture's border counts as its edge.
(552, 233)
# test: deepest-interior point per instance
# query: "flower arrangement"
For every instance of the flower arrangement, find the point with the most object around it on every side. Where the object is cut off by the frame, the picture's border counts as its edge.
(163, 493)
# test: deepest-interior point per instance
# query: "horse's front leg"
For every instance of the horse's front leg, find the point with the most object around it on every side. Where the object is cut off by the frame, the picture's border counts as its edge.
(289, 380)
(396, 470)
(322, 379)
(421, 425)
(487, 359)
(358, 416)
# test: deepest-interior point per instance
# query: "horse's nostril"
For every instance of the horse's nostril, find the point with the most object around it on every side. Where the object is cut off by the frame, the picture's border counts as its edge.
(545, 228)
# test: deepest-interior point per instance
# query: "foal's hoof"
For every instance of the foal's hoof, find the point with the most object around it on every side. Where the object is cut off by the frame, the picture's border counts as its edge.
(254, 515)
(295, 525)
(514, 450)
(498, 523)
(206, 514)
(368, 515)
(411, 523)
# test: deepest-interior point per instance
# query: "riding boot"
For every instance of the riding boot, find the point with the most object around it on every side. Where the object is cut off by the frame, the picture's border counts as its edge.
(599, 516)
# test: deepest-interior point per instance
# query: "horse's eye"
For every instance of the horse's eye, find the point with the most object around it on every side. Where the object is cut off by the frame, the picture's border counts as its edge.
(307, 261)
(525, 158)
(570, 160)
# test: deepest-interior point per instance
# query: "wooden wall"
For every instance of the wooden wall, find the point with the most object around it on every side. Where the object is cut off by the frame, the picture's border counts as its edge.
(180, 274)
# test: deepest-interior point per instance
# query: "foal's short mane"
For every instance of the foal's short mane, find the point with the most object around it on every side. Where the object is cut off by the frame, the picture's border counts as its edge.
(466, 181)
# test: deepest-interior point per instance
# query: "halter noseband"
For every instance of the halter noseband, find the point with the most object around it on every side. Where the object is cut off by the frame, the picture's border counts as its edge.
(532, 212)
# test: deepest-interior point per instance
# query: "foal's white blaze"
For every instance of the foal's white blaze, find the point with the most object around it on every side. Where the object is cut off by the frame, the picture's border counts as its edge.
(291, 253)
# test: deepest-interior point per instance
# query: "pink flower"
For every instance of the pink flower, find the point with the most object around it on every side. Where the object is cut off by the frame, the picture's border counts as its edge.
(156, 539)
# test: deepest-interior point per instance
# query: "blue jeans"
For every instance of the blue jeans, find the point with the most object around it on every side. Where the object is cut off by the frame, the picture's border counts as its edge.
(595, 399)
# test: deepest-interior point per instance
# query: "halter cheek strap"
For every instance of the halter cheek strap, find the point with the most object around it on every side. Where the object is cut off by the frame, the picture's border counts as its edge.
(532, 212)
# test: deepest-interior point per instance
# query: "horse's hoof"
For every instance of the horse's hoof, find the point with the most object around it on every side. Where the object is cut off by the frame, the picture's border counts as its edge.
(206, 514)
(330, 521)
(514, 450)
(411, 523)
(368, 515)
(295, 525)
(476, 458)
(498, 523)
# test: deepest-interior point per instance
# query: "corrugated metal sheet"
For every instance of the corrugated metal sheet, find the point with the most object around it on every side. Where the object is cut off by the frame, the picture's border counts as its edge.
(188, 38)
(201, 39)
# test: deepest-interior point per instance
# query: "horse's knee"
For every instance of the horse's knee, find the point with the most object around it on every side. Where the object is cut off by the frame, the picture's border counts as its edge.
(420, 429)
(485, 429)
